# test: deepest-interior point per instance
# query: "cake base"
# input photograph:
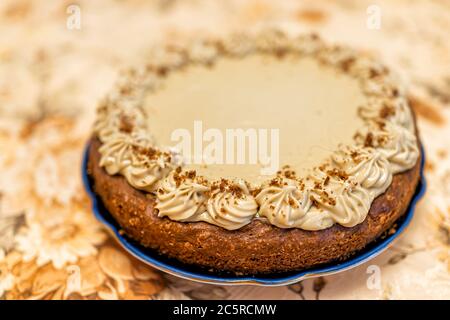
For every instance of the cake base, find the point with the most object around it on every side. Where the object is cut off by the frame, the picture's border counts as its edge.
(258, 248)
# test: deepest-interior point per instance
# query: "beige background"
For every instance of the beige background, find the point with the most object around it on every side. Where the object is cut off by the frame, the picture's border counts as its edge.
(51, 78)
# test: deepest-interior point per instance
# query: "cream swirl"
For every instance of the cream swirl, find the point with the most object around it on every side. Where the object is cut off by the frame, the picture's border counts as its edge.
(143, 173)
(120, 155)
(271, 41)
(232, 208)
(379, 88)
(371, 109)
(402, 115)
(400, 148)
(166, 58)
(367, 166)
(117, 150)
(352, 204)
(283, 204)
(335, 55)
(202, 52)
(238, 44)
(107, 122)
(396, 143)
(396, 112)
(349, 203)
(306, 44)
(181, 201)
(113, 119)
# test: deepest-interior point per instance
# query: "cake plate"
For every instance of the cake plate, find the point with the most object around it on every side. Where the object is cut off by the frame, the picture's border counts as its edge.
(181, 270)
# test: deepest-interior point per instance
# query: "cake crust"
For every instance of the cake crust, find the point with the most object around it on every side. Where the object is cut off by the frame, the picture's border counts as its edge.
(257, 248)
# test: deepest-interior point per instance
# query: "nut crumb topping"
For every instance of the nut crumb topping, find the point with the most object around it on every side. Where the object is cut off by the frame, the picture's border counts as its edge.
(126, 124)
(387, 111)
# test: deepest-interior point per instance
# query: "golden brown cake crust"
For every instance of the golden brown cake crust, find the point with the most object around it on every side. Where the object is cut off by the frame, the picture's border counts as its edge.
(257, 248)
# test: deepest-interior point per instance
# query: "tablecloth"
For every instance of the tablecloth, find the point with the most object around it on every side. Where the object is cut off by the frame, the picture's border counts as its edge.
(59, 58)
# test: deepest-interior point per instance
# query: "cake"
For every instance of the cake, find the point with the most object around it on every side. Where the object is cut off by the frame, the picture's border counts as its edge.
(256, 154)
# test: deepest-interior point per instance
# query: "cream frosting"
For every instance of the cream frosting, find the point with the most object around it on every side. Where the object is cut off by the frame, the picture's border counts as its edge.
(181, 202)
(230, 210)
(352, 204)
(117, 152)
(284, 205)
(338, 190)
(368, 166)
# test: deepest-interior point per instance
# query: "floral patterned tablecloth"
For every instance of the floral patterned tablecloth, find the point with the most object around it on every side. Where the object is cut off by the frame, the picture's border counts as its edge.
(58, 58)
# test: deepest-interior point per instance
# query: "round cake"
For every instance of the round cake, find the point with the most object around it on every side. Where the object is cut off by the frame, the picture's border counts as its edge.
(256, 154)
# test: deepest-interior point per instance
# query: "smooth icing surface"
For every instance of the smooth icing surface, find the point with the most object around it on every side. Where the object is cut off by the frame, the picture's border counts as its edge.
(313, 107)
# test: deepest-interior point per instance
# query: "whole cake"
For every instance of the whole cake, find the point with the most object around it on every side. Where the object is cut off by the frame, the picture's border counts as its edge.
(256, 154)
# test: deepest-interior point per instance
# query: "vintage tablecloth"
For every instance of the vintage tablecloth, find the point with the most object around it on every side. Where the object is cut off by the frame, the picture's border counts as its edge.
(58, 58)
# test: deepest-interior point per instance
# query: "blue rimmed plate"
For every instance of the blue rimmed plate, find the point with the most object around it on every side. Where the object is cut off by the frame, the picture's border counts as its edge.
(178, 269)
